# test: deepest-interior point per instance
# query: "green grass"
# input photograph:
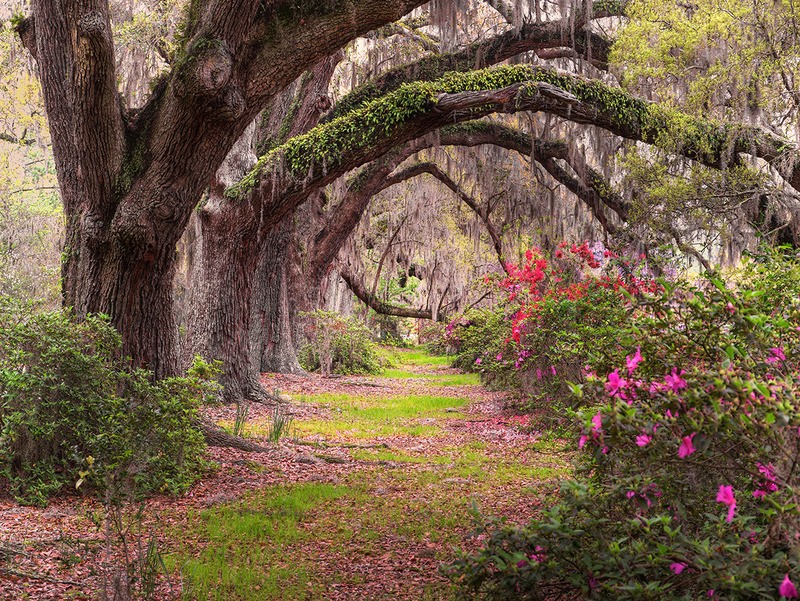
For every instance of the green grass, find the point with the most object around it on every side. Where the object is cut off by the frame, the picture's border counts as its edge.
(367, 417)
(269, 544)
(247, 542)
(421, 357)
(469, 379)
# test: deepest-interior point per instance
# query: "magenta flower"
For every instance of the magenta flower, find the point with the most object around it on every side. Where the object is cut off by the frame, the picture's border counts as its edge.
(643, 440)
(633, 361)
(777, 355)
(538, 374)
(597, 422)
(478, 361)
(539, 556)
(674, 380)
(677, 567)
(725, 495)
(582, 441)
(687, 447)
(553, 369)
(614, 382)
(499, 357)
(768, 485)
(787, 589)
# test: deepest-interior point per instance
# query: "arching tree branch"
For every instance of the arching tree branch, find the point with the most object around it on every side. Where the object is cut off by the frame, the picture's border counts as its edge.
(434, 170)
(379, 306)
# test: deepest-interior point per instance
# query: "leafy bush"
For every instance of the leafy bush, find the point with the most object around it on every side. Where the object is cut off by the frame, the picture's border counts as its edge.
(553, 318)
(74, 414)
(688, 486)
(340, 345)
(433, 338)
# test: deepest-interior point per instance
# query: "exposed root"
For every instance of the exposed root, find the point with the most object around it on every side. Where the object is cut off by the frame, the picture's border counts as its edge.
(217, 437)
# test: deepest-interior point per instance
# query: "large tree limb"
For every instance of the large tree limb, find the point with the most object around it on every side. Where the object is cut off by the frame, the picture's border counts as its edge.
(379, 306)
(540, 37)
(310, 161)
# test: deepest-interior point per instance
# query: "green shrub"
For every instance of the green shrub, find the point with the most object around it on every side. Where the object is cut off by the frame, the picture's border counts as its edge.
(433, 337)
(73, 414)
(338, 345)
(687, 486)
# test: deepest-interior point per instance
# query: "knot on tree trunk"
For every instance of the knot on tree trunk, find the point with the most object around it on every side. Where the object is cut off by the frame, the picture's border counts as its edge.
(213, 67)
(232, 105)
(94, 228)
(133, 233)
(92, 25)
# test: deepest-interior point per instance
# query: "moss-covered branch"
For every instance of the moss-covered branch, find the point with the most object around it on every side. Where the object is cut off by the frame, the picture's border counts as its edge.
(283, 177)
(529, 37)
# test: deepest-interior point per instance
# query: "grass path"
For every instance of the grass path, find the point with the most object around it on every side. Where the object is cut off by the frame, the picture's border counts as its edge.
(366, 498)
(374, 519)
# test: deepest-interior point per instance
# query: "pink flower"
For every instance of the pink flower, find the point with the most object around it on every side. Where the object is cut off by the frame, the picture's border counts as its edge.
(677, 567)
(768, 485)
(633, 361)
(553, 369)
(687, 447)
(674, 380)
(582, 441)
(539, 556)
(499, 357)
(725, 495)
(787, 589)
(597, 422)
(538, 374)
(478, 361)
(614, 382)
(643, 440)
(777, 355)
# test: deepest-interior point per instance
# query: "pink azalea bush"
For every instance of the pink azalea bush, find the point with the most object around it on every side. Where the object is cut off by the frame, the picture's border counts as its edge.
(553, 314)
(687, 475)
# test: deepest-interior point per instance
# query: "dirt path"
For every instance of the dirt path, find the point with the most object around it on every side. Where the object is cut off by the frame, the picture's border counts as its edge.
(364, 499)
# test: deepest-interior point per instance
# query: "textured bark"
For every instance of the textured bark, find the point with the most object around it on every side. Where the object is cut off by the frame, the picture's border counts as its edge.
(273, 339)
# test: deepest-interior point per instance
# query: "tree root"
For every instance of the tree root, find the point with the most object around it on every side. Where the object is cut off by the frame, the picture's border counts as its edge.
(217, 437)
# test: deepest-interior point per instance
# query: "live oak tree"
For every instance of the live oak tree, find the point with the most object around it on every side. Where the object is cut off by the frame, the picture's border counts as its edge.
(131, 179)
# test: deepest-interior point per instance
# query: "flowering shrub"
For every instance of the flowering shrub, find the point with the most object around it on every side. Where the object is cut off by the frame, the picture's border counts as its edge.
(688, 477)
(554, 317)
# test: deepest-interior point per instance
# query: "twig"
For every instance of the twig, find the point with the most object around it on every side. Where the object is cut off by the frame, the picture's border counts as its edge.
(32, 576)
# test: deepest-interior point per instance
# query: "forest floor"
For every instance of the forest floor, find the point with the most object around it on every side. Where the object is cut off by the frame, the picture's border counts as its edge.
(367, 494)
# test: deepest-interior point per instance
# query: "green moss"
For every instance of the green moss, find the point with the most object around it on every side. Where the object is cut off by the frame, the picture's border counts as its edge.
(328, 145)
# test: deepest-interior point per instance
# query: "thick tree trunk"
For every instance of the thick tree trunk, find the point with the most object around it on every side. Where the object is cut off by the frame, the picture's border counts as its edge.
(273, 335)
(219, 300)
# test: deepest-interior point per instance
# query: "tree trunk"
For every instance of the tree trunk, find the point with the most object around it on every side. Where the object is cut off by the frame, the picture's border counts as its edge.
(273, 336)
(219, 300)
